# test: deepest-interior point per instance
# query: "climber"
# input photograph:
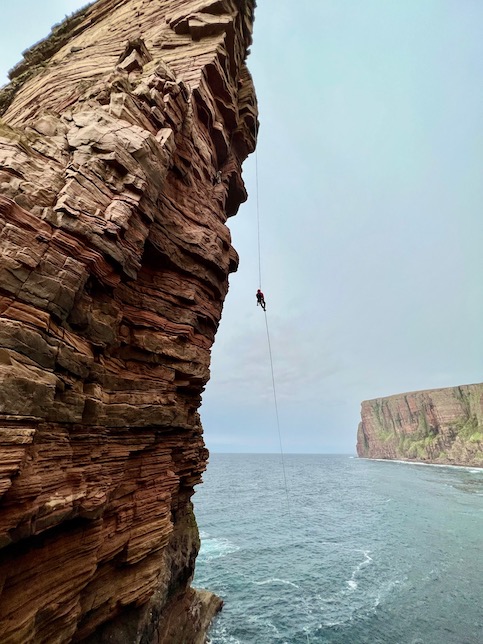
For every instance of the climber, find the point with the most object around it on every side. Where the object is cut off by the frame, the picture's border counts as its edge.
(261, 299)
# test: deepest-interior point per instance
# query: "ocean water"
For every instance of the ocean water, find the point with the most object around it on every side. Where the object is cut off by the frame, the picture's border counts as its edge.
(358, 552)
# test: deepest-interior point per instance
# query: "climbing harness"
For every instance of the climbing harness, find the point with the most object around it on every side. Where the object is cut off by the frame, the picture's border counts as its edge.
(274, 389)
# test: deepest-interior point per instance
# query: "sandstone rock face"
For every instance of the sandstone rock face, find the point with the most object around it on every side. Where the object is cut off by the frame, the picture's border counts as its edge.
(121, 143)
(436, 426)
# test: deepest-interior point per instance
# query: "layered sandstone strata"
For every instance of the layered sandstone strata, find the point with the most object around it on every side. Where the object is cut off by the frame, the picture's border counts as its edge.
(434, 426)
(121, 143)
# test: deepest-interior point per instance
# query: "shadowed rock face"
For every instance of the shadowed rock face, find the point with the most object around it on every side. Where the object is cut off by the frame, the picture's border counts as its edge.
(437, 426)
(121, 145)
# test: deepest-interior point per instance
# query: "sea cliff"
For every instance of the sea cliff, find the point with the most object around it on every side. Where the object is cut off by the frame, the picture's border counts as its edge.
(434, 426)
(121, 142)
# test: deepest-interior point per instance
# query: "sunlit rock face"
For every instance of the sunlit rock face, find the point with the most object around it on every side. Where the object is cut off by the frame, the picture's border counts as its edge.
(121, 143)
(435, 426)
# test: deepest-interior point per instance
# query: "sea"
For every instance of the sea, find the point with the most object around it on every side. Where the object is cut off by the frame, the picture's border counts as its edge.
(332, 549)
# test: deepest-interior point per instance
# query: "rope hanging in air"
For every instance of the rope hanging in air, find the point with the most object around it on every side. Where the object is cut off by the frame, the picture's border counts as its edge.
(278, 427)
(258, 210)
(274, 389)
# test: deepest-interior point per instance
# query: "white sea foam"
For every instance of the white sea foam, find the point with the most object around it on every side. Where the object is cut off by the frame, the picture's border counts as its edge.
(367, 559)
(214, 548)
(352, 583)
(275, 580)
(223, 637)
(469, 468)
(331, 624)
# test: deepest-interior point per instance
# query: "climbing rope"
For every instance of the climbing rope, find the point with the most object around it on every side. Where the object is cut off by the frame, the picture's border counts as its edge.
(274, 389)
(289, 513)
(258, 210)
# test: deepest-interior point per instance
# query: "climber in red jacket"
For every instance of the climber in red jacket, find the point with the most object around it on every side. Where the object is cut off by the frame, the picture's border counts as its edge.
(261, 299)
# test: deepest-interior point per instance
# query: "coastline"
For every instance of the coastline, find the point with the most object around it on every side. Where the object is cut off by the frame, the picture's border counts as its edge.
(410, 462)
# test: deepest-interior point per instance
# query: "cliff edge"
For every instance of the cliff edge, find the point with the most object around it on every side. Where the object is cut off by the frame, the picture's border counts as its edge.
(434, 426)
(121, 142)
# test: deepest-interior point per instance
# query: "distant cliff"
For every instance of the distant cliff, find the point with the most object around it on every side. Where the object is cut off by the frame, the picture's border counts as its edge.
(121, 142)
(434, 426)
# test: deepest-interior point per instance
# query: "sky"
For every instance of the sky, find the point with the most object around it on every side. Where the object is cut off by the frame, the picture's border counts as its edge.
(370, 192)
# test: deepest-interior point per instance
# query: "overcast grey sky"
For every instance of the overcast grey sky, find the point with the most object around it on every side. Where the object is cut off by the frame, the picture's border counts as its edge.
(370, 162)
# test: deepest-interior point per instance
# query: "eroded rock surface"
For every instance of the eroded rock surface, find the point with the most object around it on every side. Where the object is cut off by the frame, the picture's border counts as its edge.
(434, 426)
(121, 143)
